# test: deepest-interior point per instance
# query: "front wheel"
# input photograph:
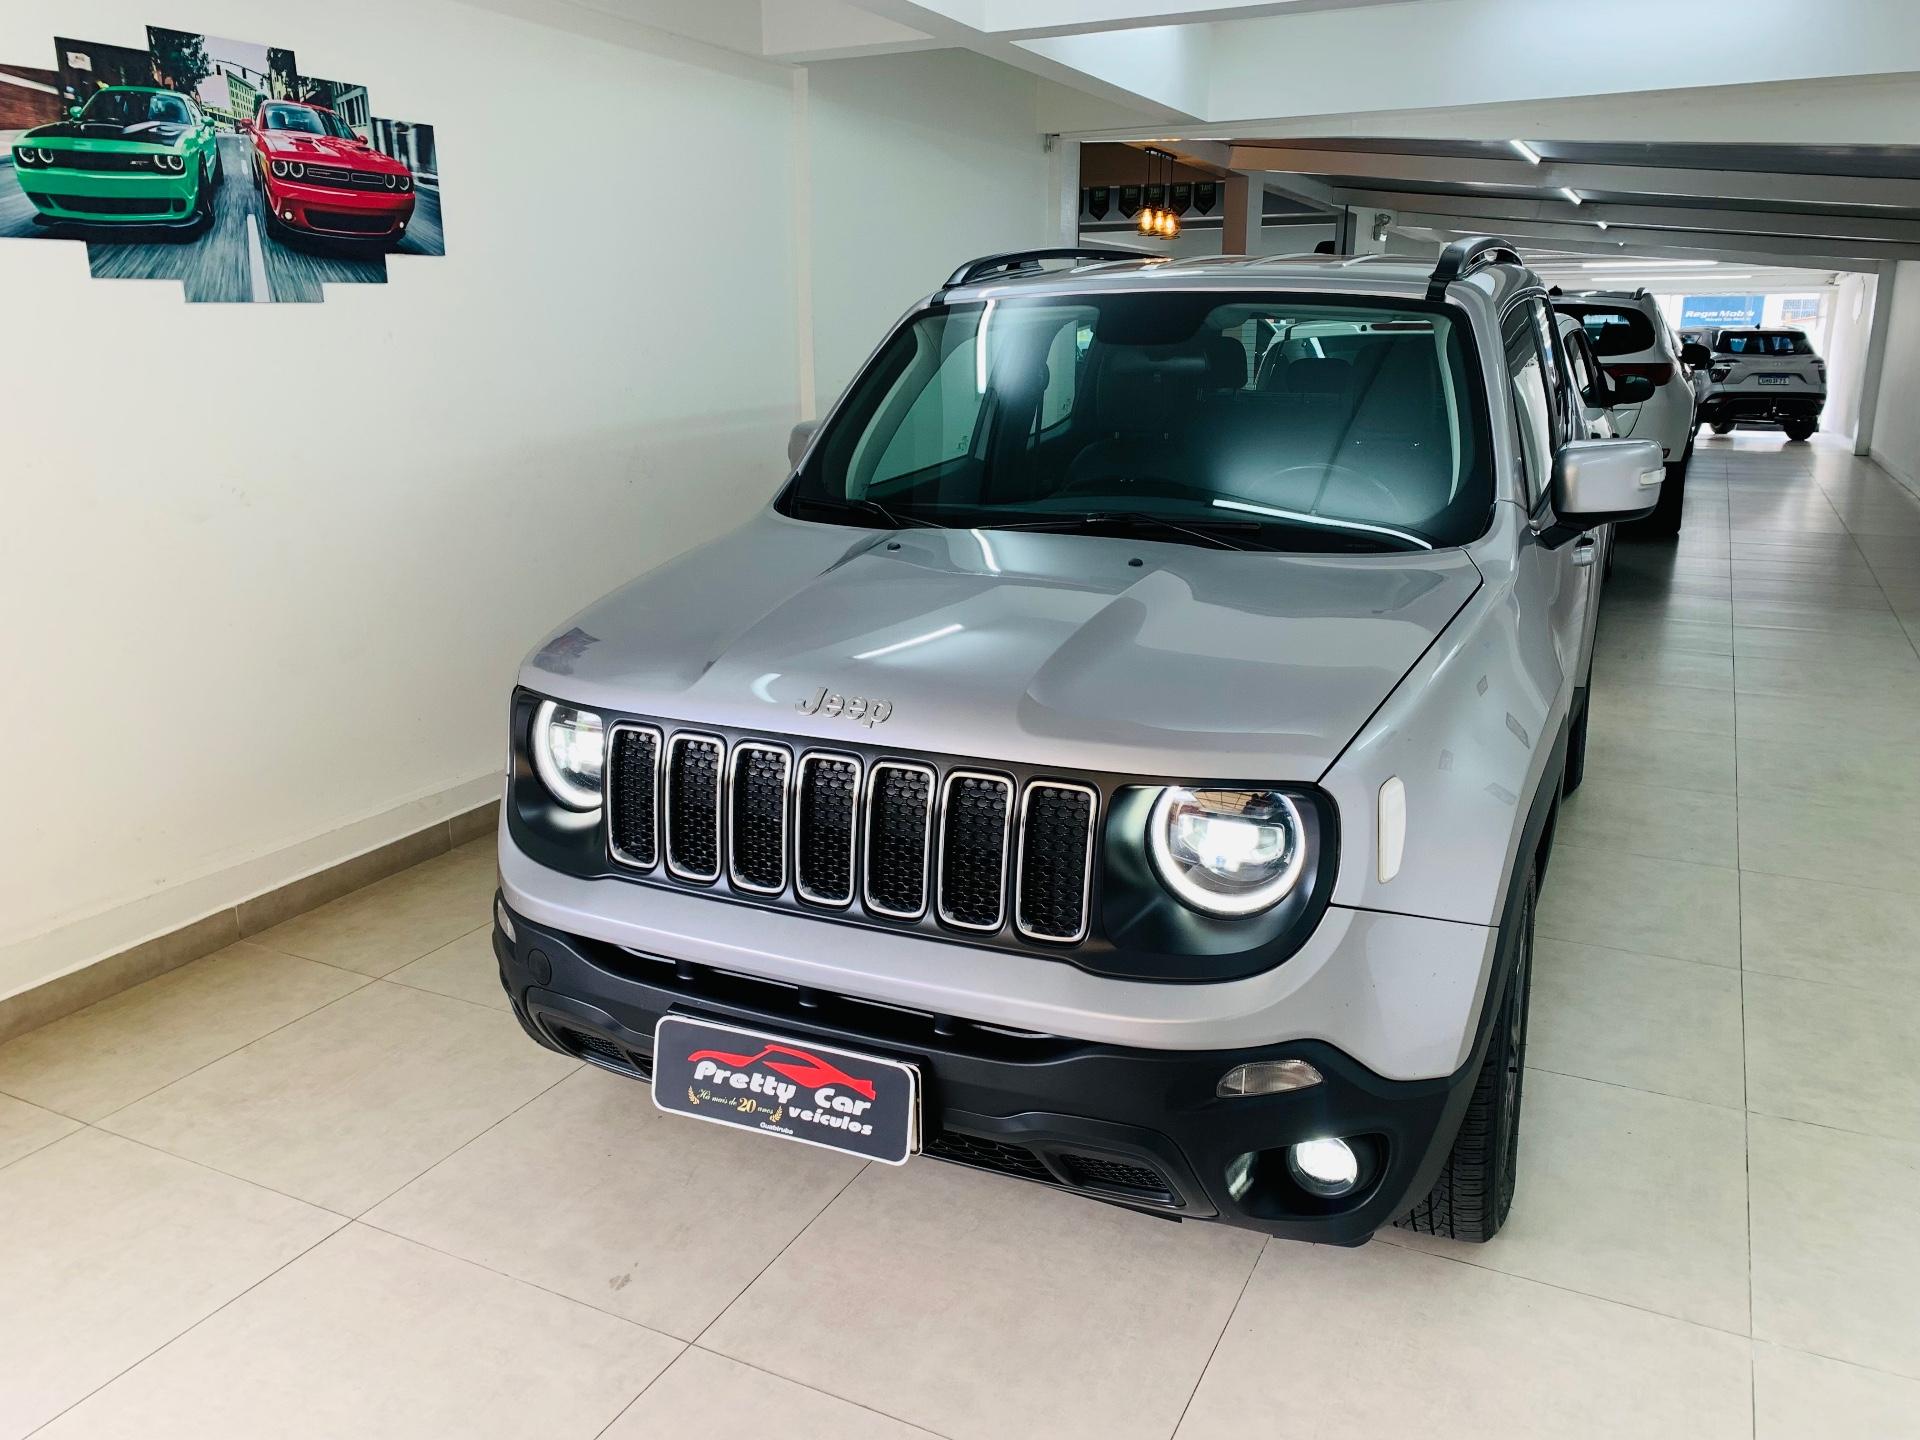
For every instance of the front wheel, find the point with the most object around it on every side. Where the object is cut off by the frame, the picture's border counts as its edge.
(1723, 427)
(1665, 519)
(1799, 429)
(1474, 1193)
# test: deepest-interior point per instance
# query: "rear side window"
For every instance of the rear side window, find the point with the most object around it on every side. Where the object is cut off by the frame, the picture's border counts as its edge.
(1763, 342)
(1613, 329)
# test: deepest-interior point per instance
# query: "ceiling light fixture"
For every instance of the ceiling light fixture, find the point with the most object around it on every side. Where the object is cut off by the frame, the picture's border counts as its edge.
(1601, 223)
(1154, 219)
(1571, 194)
(1525, 151)
(1649, 264)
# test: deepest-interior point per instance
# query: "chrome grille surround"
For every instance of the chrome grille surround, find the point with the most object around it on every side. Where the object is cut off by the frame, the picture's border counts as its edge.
(944, 879)
(804, 828)
(742, 825)
(1023, 920)
(618, 796)
(886, 855)
(693, 836)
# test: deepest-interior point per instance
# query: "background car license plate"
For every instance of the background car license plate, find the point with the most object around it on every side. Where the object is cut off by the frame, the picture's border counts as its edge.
(1773, 380)
(798, 1091)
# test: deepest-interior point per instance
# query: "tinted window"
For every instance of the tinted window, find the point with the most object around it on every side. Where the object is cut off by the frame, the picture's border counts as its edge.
(305, 120)
(137, 107)
(1612, 329)
(1763, 342)
(1315, 424)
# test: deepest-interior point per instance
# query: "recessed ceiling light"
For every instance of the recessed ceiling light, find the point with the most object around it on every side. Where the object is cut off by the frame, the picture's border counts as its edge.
(1525, 151)
(1649, 264)
(1601, 223)
(1571, 194)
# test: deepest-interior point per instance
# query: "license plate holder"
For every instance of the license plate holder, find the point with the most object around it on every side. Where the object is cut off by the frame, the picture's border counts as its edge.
(1775, 380)
(817, 1095)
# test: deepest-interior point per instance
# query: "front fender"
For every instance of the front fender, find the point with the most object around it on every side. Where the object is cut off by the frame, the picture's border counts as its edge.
(1472, 733)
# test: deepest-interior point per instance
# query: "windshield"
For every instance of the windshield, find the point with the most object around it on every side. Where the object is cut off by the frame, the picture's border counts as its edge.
(305, 120)
(1763, 342)
(136, 107)
(1300, 423)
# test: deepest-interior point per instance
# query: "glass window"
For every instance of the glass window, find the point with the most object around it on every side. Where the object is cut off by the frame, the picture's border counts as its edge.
(137, 107)
(1762, 342)
(1361, 426)
(1612, 329)
(1532, 401)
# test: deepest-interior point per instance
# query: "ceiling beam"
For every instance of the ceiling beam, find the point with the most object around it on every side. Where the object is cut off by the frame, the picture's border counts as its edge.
(1631, 179)
(1660, 217)
(1628, 243)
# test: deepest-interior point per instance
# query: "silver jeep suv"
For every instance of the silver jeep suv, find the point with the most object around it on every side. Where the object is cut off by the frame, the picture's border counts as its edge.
(1123, 756)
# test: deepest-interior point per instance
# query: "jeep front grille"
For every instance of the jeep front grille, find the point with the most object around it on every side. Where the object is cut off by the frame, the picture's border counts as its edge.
(899, 839)
(905, 841)
(693, 806)
(1056, 857)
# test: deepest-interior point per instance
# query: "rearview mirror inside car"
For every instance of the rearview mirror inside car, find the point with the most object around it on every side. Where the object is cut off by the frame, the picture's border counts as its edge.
(798, 439)
(1632, 390)
(1602, 482)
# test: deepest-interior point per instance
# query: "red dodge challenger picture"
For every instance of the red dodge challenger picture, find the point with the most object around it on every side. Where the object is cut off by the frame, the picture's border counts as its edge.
(316, 177)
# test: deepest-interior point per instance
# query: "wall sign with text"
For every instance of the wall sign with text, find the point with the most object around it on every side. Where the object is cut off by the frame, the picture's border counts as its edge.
(215, 163)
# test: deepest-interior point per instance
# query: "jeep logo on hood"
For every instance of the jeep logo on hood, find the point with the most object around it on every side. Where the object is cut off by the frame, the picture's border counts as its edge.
(850, 707)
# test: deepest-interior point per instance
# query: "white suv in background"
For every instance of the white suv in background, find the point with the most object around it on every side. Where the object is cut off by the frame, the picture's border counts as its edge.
(1762, 377)
(1630, 337)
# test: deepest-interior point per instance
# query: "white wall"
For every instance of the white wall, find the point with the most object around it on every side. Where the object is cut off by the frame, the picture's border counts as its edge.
(264, 613)
(254, 624)
(917, 163)
(1896, 425)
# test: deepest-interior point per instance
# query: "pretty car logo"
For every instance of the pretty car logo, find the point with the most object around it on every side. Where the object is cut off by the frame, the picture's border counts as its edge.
(848, 707)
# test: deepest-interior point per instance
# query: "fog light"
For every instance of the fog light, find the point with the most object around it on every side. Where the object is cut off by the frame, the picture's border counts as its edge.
(1267, 1077)
(504, 920)
(1327, 1168)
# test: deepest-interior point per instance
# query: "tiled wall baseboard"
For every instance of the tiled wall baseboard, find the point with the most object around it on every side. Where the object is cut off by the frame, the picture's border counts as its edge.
(46, 1003)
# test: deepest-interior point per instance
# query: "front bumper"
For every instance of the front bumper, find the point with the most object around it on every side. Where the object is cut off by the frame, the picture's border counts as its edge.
(344, 214)
(87, 197)
(1138, 1127)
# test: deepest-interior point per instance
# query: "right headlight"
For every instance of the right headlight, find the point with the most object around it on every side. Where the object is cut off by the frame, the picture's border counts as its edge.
(569, 753)
(1227, 852)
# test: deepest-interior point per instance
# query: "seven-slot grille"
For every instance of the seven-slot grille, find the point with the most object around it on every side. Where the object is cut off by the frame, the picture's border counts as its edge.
(972, 846)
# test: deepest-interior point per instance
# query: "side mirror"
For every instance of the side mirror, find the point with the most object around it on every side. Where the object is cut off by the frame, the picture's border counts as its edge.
(1631, 390)
(1695, 356)
(798, 439)
(1602, 482)
(73, 111)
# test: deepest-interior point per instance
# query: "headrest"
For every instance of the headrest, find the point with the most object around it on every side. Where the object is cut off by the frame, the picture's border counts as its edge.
(1226, 363)
(1319, 377)
(1145, 393)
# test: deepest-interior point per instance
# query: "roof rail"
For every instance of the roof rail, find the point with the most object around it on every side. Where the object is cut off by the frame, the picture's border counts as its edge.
(1463, 257)
(1014, 261)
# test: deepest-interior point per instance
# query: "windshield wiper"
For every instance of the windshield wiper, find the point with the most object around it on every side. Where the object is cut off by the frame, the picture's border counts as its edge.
(1207, 532)
(892, 519)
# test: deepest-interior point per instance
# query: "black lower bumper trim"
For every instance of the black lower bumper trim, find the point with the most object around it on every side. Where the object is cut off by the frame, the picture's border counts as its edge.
(1721, 409)
(1141, 1128)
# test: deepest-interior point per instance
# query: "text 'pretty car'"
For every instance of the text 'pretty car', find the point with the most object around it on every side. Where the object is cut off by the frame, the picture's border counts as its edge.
(316, 177)
(132, 155)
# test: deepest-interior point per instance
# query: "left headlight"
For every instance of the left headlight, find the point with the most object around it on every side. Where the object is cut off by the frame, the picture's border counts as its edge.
(1227, 852)
(569, 752)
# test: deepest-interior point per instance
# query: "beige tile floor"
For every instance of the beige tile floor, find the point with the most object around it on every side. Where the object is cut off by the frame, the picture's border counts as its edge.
(319, 1184)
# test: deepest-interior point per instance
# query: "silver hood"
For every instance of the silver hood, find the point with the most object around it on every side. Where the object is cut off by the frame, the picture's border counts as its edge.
(1078, 651)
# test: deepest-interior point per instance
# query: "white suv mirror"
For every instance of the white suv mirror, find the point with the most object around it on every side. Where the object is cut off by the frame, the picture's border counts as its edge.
(798, 439)
(1602, 482)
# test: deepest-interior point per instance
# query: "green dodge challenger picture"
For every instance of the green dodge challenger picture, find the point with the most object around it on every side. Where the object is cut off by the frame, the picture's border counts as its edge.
(132, 155)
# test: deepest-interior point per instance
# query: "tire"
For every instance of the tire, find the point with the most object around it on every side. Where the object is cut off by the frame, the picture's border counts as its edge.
(1472, 1197)
(203, 202)
(1723, 427)
(1576, 770)
(1798, 430)
(219, 167)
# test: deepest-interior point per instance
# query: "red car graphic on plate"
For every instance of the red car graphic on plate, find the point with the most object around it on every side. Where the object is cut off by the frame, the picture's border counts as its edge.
(317, 177)
(802, 1068)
